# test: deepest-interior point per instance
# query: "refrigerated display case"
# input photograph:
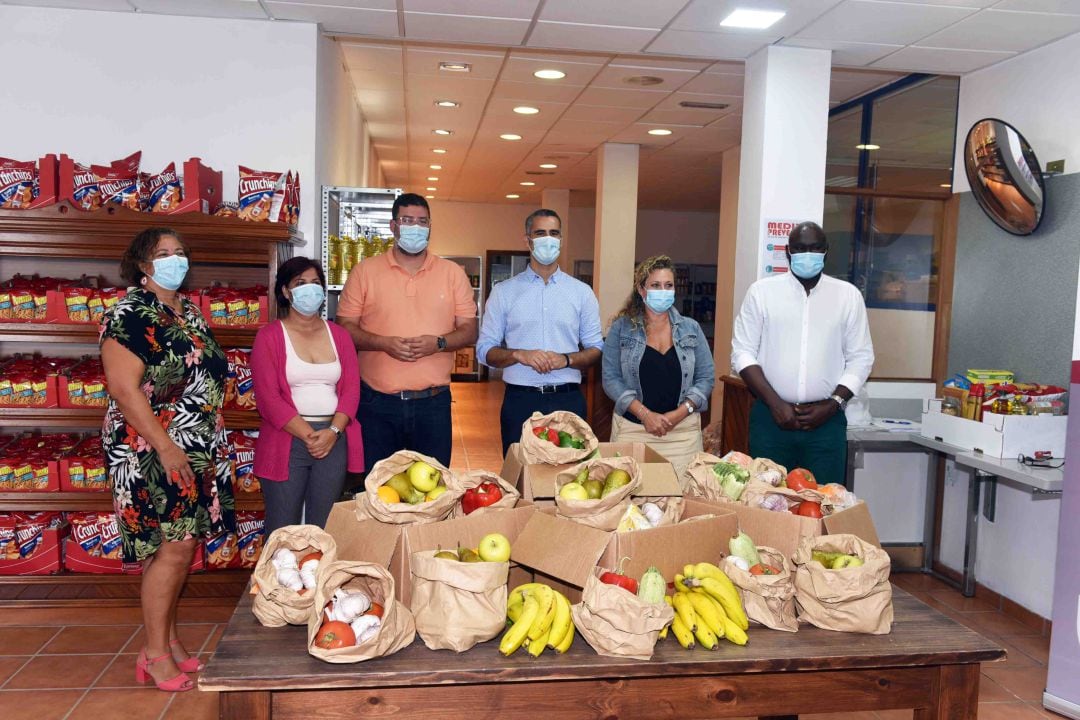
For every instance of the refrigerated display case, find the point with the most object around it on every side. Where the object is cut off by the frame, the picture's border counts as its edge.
(355, 225)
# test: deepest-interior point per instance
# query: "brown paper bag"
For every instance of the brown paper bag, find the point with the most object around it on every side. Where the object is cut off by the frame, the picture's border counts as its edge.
(275, 605)
(370, 506)
(397, 630)
(603, 513)
(535, 450)
(510, 495)
(852, 600)
(762, 495)
(699, 480)
(768, 599)
(672, 508)
(617, 623)
(457, 605)
(767, 471)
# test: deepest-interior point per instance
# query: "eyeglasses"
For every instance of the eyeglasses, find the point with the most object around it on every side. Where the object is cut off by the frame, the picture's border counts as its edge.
(409, 220)
(1041, 460)
(547, 233)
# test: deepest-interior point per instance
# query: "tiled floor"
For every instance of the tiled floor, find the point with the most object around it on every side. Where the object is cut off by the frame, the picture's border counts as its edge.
(78, 663)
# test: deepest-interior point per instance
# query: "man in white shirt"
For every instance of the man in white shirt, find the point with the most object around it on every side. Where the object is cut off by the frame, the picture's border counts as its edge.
(802, 345)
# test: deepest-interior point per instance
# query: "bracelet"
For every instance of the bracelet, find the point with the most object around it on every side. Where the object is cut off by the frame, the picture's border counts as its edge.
(567, 356)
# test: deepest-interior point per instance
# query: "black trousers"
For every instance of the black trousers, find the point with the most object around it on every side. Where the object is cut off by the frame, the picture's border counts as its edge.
(518, 405)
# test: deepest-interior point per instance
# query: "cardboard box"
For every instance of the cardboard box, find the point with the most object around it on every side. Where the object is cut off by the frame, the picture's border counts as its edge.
(45, 559)
(1003, 436)
(536, 482)
(390, 545)
(784, 531)
(565, 551)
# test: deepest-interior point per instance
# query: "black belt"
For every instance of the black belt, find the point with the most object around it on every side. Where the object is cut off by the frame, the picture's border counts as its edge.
(410, 394)
(547, 389)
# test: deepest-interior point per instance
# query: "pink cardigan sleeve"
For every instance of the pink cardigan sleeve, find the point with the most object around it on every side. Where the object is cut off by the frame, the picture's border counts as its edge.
(348, 388)
(267, 372)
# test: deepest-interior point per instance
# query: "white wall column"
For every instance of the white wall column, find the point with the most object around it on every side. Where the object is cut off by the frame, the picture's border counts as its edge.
(782, 159)
(559, 200)
(615, 239)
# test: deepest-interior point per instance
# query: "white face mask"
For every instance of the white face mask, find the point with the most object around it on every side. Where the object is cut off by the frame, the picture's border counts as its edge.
(546, 249)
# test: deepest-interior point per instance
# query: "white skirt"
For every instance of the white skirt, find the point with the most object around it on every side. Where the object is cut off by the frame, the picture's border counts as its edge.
(679, 446)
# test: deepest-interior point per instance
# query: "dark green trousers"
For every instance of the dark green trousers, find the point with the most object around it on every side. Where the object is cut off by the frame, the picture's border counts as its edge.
(822, 451)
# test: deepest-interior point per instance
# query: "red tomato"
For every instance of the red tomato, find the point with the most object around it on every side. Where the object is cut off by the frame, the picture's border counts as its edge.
(376, 609)
(624, 581)
(763, 569)
(810, 509)
(333, 635)
(540, 432)
(310, 556)
(801, 479)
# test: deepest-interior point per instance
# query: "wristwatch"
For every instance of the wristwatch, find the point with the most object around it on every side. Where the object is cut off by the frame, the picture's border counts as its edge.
(335, 429)
(839, 401)
(690, 407)
(441, 342)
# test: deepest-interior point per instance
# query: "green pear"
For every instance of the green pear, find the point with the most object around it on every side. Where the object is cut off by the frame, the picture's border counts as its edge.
(405, 490)
(595, 488)
(582, 476)
(446, 554)
(614, 480)
(468, 555)
(846, 561)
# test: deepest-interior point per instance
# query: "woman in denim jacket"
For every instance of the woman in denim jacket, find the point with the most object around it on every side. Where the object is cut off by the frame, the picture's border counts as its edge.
(658, 368)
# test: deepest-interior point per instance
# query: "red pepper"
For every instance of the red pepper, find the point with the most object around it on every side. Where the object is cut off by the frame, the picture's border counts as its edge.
(483, 495)
(618, 578)
(553, 436)
(540, 432)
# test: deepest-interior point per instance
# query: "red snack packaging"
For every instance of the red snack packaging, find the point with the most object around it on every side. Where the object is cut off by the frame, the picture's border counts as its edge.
(16, 184)
(118, 184)
(112, 545)
(250, 532)
(242, 456)
(236, 308)
(29, 528)
(86, 195)
(9, 546)
(77, 302)
(86, 532)
(163, 190)
(239, 386)
(257, 191)
(221, 552)
(294, 208)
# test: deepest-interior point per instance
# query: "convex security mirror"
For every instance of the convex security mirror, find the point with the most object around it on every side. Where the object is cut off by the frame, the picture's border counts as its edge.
(1005, 176)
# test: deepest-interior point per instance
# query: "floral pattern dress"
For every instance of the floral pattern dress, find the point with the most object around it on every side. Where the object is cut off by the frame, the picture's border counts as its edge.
(184, 381)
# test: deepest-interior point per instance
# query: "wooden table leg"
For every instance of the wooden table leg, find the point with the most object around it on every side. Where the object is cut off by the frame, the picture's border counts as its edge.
(254, 705)
(957, 695)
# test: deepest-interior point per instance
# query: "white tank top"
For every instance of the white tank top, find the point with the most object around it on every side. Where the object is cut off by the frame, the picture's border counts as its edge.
(313, 385)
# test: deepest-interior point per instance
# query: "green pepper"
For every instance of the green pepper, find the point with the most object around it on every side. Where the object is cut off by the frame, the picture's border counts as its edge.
(565, 440)
(577, 443)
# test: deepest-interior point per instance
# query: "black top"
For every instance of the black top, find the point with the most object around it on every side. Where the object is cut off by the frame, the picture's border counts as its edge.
(661, 381)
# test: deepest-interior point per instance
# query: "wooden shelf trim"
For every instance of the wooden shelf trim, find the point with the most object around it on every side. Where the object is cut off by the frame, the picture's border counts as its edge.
(91, 418)
(91, 501)
(88, 334)
(66, 577)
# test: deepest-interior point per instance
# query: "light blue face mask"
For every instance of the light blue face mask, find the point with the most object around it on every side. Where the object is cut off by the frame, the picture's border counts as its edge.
(169, 272)
(546, 249)
(659, 301)
(307, 299)
(807, 265)
(413, 239)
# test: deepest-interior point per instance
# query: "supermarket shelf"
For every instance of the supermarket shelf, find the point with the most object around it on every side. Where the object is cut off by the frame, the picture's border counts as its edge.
(90, 418)
(88, 333)
(66, 577)
(91, 501)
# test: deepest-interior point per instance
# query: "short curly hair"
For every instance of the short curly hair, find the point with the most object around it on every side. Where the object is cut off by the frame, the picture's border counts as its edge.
(141, 251)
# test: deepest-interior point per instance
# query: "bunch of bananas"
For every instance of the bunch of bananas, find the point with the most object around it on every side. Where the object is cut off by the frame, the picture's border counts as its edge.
(539, 617)
(707, 607)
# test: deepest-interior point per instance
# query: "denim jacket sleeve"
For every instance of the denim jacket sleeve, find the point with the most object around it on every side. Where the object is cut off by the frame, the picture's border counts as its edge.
(704, 371)
(615, 385)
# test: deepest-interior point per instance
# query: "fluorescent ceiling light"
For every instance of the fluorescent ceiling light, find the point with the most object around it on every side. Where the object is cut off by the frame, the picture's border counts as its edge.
(659, 131)
(869, 146)
(548, 166)
(433, 179)
(527, 183)
(945, 185)
(510, 136)
(431, 189)
(435, 167)
(438, 151)
(549, 74)
(752, 19)
(526, 110)
(447, 103)
(430, 197)
(512, 196)
(455, 66)
(441, 131)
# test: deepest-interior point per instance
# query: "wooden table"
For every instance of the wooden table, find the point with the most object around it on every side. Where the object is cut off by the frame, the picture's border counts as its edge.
(928, 662)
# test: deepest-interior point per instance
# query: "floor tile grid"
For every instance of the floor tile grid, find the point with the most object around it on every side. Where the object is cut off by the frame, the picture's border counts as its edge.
(30, 658)
(204, 652)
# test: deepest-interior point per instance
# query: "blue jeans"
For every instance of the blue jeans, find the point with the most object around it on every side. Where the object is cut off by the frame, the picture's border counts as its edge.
(391, 424)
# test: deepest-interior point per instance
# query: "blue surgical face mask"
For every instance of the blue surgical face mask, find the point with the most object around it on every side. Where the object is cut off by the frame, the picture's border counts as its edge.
(807, 265)
(659, 300)
(546, 249)
(307, 299)
(413, 239)
(169, 271)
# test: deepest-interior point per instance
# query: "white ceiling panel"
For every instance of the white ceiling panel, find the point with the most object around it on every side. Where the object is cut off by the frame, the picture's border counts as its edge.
(378, 104)
(367, 4)
(204, 8)
(638, 134)
(887, 23)
(671, 102)
(956, 3)
(847, 84)
(521, 69)
(590, 37)
(621, 76)
(705, 15)
(114, 5)
(542, 92)
(522, 9)
(375, 58)
(458, 119)
(425, 61)
(914, 59)
(354, 21)
(602, 113)
(465, 28)
(670, 63)
(709, 44)
(504, 107)
(651, 14)
(365, 80)
(1003, 30)
(643, 99)
(1066, 7)
(667, 118)
(851, 54)
(458, 88)
(715, 84)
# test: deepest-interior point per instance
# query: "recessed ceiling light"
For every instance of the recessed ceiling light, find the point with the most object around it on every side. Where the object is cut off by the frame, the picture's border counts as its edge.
(526, 110)
(643, 80)
(659, 131)
(528, 183)
(441, 131)
(548, 166)
(435, 167)
(455, 66)
(868, 146)
(430, 197)
(549, 74)
(431, 189)
(433, 179)
(752, 19)
(438, 151)
(510, 136)
(512, 196)
(945, 185)
(447, 103)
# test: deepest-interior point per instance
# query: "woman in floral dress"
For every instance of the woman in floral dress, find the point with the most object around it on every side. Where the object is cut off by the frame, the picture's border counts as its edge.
(164, 439)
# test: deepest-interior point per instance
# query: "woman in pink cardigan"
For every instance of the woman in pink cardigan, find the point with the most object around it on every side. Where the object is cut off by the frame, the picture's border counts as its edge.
(307, 388)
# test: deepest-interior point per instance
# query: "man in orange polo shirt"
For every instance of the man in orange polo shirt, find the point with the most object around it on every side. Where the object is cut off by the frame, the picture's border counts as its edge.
(407, 310)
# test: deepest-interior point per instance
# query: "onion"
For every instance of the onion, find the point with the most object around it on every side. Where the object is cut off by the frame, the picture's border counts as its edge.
(652, 513)
(284, 558)
(776, 503)
(739, 563)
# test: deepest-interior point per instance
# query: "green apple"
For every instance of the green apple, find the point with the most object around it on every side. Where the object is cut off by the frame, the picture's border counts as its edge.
(494, 547)
(423, 477)
(614, 480)
(573, 491)
(435, 492)
(595, 488)
(468, 555)
(844, 562)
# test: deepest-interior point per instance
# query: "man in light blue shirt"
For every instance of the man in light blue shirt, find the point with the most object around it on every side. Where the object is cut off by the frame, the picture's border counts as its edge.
(543, 327)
